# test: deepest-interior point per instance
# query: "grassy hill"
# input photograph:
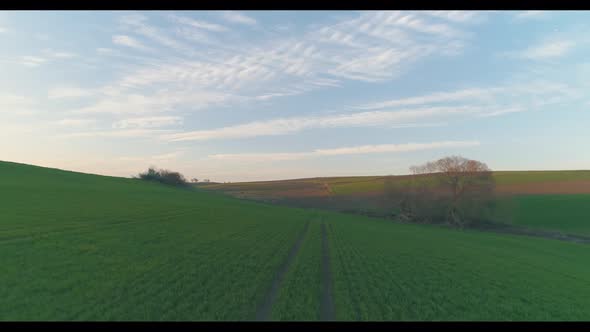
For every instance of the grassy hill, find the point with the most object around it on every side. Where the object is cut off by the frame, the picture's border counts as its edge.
(86, 247)
(544, 200)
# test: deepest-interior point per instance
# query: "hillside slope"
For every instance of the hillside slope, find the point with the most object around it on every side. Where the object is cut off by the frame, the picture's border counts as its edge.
(85, 247)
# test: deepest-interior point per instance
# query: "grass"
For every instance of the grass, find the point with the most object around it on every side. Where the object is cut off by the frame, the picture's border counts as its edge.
(516, 177)
(564, 213)
(407, 272)
(85, 247)
(298, 297)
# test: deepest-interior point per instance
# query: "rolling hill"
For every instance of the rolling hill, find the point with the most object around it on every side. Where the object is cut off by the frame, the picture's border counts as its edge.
(557, 201)
(86, 247)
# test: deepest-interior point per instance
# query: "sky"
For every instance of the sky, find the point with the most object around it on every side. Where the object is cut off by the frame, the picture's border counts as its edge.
(266, 95)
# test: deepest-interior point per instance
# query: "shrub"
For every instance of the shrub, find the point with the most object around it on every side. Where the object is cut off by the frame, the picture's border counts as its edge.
(163, 176)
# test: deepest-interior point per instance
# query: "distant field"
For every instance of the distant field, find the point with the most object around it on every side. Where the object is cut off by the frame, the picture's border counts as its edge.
(565, 213)
(508, 182)
(85, 247)
(545, 200)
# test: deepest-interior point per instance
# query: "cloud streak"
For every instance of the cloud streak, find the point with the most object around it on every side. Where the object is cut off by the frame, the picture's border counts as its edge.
(129, 42)
(237, 17)
(353, 150)
(148, 122)
(547, 50)
(531, 14)
(285, 126)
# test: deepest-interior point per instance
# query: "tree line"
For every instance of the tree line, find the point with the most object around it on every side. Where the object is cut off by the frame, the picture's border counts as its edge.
(452, 190)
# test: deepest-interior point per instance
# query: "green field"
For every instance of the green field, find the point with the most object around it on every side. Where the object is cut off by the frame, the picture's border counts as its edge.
(516, 177)
(85, 247)
(362, 184)
(563, 213)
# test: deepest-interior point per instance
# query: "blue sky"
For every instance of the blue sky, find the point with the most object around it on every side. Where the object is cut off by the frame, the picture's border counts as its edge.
(262, 95)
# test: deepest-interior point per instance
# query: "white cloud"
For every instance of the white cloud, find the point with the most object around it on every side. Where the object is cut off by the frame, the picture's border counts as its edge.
(363, 149)
(136, 23)
(456, 15)
(32, 61)
(198, 24)
(296, 124)
(531, 14)
(64, 55)
(237, 17)
(105, 51)
(148, 122)
(504, 111)
(158, 102)
(439, 97)
(545, 50)
(395, 148)
(2, 30)
(377, 47)
(127, 133)
(492, 101)
(48, 55)
(483, 102)
(58, 54)
(68, 92)
(129, 42)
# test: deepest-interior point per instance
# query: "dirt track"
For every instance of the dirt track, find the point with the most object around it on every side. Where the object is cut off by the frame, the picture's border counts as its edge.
(264, 310)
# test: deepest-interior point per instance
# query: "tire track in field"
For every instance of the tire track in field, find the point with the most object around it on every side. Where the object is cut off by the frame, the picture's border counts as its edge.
(326, 304)
(263, 311)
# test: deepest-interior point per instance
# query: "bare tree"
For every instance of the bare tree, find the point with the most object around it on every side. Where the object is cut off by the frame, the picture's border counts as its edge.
(452, 189)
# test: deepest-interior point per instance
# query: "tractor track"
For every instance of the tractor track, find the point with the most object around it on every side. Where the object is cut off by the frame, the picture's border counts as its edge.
(264, 309)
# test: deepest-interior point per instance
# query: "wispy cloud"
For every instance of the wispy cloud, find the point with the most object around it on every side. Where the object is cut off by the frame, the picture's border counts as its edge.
(492, 101)
(129, 42)
(296, 124)
(370, 47)
(352, 150)
(545, 50)
(32, 61)
(198, 23)
(531, 14)
(158, 102)
(504, 111)
(148, 122)
(456, 15)
(136, 23)
(439, 97)
(482, 102)
(68, 92)
(58, 54)
(126, 133)
(237, 17)
(2, 30)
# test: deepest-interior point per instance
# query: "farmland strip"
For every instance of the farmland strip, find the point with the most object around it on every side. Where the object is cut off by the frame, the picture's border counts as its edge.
(263, 312)
(327, 305)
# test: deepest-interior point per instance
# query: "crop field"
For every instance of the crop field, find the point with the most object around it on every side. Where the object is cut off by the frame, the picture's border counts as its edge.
(543, 200)
(564, 213)
(86, 247)
(508, 182)
(407, 272)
